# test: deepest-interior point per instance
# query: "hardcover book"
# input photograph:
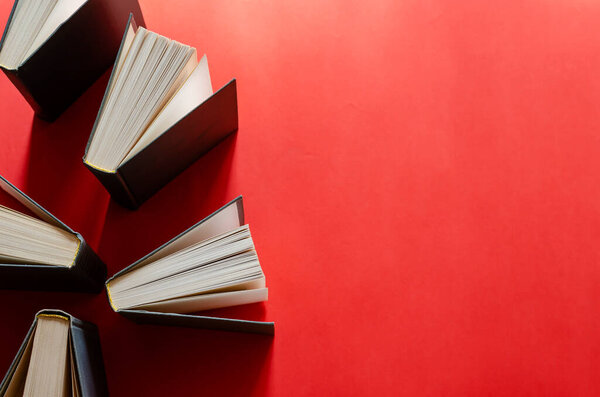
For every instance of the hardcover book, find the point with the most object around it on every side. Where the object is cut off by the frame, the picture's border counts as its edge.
(60, 356)
(159, 114)
(211, 265)
(53, 50)
(39, 252)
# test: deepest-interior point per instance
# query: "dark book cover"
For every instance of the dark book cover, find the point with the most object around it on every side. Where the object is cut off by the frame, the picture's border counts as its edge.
(87, 274)
(87, 363)
(188, 320)
(74, 56)
(168, 155)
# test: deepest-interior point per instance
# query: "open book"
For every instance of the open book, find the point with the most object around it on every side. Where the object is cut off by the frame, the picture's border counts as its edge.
(25, 239)
(158, 115)
(37, 251)
(32, 23)
(60, 357)
(211, 265)
(53, 50)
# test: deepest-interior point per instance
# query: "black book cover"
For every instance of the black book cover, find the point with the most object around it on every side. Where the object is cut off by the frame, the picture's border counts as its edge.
(74, 57)
(188, 320)
(87, 274)
(87, 355)
(164, 158)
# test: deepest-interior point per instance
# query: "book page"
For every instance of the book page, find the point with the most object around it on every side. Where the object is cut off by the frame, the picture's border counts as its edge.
(48, 368)
(196, 89)
(220, 222)
(24, 239)
(196, 303)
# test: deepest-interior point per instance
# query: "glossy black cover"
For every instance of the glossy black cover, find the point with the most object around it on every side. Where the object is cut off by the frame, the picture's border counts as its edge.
(74, 57)
(87, 355)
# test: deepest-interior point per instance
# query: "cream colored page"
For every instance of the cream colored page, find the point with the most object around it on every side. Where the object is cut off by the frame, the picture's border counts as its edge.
(226, 220)
(196, 303)
(123, 54)
(199, 280)
(47, 374)
(26, 22)
(196, 89)
(29, 240)
(226, 250)
(158, 100)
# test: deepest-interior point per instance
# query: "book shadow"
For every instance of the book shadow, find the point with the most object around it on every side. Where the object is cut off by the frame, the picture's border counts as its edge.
(191, 361)
(18, 312)
(192, 195)
(57, 180)
(175, 358)
(56, 177)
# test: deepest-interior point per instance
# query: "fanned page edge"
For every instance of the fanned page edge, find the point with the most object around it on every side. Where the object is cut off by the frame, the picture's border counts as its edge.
(78, 4)
(197, 303)
(162, 250)
(43, 214)
(193, 92)
(123, 49)
(189, 67)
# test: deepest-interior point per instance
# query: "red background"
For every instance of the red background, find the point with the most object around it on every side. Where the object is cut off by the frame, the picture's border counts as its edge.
(421, 180)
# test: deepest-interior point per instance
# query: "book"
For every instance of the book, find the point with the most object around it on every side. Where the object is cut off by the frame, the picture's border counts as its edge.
(39, 252)
(159, 114)
(211, 265)
(60, 356)
(53, 50)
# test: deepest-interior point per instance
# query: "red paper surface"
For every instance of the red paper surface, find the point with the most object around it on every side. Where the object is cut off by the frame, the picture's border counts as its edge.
(421, 181)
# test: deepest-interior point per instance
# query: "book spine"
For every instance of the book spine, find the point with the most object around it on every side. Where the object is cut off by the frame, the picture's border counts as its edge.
(89, 363)
(116, 187)
(89, 269)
